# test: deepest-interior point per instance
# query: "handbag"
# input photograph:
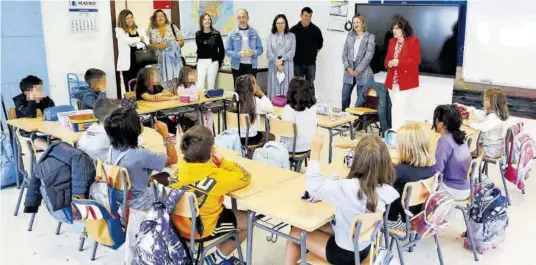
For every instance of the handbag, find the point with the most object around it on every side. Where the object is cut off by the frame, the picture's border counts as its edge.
(279, 101)
(146, 56)
(129, 103)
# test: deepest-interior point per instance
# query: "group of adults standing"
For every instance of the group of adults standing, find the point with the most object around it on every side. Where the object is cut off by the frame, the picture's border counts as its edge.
(401, 62)
(290, 52)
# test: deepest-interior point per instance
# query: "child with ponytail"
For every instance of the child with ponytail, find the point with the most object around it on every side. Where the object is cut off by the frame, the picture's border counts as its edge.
(452, 155)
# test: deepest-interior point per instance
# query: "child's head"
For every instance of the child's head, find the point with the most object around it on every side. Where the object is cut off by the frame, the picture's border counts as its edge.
(495, 102)
(146, 79)
(104, 107)
(96, 79)
(31, 84)
(123, 127)
(372, 167)
(413, 146)
(448, 119)
(299, 95)
(244, 87)
(197, 144)
(187, 77)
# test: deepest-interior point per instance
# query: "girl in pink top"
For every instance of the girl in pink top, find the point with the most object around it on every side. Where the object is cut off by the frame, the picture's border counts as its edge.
(188, 89)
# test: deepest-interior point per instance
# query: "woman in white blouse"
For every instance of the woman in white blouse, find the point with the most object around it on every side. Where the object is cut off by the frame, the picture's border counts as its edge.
(356, 56)
(129, 39)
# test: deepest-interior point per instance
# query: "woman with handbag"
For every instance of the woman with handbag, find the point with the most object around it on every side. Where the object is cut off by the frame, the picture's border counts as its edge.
(131, 41)
(166, 40)
(210, 52)
(281, 47)
(356, 56)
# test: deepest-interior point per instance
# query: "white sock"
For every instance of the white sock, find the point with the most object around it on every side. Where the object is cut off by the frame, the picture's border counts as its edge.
(221, 257)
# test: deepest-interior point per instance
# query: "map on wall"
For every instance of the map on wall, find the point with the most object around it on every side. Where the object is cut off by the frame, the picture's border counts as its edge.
(221, 11)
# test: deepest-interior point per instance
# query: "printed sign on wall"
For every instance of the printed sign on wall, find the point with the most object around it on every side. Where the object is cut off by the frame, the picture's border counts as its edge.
(84, 16)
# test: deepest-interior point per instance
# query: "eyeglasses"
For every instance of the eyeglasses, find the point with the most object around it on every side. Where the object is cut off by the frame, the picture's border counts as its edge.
(280, 23)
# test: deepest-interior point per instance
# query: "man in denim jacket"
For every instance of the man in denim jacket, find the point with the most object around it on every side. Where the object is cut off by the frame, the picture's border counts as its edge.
(244, 46)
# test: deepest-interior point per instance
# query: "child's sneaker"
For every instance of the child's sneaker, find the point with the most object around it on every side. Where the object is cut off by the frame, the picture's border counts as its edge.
(213, 260)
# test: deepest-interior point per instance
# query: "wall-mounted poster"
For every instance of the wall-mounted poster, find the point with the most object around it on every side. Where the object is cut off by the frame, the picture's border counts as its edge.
(221, 11)
(339, 8)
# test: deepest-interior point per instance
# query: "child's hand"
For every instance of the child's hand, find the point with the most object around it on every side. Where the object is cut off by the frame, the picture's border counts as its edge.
(216, 158)
(258, 92)
(160, 127)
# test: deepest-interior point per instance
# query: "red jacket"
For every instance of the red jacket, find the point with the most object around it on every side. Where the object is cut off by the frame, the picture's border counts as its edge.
(408, 63)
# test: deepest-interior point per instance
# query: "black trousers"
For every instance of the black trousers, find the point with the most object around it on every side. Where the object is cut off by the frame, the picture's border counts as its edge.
(132, 73)
(244, 69)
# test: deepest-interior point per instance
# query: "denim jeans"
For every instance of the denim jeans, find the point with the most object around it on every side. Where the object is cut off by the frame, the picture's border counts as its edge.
(308, 71)
(347, 94)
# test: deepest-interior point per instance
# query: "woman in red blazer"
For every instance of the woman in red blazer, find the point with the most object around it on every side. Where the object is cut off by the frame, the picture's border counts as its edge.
(402, 64)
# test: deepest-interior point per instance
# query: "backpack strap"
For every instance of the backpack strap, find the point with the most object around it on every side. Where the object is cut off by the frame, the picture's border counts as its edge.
(173, 198)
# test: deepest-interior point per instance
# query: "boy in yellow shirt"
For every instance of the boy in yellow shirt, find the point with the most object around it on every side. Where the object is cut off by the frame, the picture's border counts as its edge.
(210, 177)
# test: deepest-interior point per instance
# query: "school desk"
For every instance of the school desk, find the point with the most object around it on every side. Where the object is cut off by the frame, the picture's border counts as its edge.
(283, 202)
(334, 127)
(27, 124)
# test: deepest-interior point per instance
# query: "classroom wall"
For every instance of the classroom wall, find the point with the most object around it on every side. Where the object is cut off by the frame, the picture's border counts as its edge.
(76, 52)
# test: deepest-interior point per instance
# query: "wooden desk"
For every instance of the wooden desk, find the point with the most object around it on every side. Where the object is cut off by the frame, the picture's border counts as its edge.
(172, 104)
(333, 126)
(56, 130)
(263, 176)
(283, 202)
(27, 124)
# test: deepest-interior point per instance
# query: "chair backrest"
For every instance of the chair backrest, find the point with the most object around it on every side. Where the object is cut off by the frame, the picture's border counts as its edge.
(473, 142)
(12, 114)
(368, 223)
(130, 84)
(281, 128)
(232, 120)
(131, 94)
(184, 205)
(420, 191)
(372, 99)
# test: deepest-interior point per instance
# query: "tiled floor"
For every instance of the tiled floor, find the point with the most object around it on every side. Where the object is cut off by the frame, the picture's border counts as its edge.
(42, 246)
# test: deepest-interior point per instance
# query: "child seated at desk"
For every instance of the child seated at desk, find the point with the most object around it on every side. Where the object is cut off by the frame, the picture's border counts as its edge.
(492, 121)
(29, 101)
(96, 79)
(148, 88)
(95, 141)
(416, 162)
(187, 88)
(211, 177)
(452, 155)
(123, 128)
(366, 189)
(253, 102)
(301, 110)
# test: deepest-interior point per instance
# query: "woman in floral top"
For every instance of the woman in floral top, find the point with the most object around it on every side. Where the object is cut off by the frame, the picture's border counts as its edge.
(163, 35)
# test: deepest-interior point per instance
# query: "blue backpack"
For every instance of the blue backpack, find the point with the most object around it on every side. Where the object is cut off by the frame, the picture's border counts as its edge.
(51, 113)
(157, 242)
(9, 174)
(273, 153)
(229, 139)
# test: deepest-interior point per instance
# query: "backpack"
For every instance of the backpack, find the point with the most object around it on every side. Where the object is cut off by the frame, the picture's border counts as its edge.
(101, 213)
(9, 172)
(274, 153)
(51, 113)
(229, 139)
(435, 215)
(488, 218)
(324, 108)
(157, 242)
(521, 156)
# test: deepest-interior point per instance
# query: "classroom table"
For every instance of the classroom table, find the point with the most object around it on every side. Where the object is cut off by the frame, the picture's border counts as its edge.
(27, 124)
(334, 127)
(283, 202)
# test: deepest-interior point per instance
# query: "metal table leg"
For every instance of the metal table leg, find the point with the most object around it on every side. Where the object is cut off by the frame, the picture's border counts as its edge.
(249, 248)
(303, 247)
(352, 132)
(233, 204)
(330, 145)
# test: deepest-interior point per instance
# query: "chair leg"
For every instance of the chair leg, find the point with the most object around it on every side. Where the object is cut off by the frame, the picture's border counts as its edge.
(19, 199)
(94, 252)
(82, 241)
(399, 250)
(505, 185)
(468, 234)
(439, 254)
(412, 237)
(30, 225)
(58, 228)
(239, 250)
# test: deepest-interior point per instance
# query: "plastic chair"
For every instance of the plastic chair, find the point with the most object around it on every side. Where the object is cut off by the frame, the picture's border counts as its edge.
(364, 227)
(232, 121)
(130, 85)
(187, 207)
(281, 128)
(368, 114)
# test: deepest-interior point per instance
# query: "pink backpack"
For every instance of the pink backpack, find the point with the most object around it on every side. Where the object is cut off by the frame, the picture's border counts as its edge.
(521, 155)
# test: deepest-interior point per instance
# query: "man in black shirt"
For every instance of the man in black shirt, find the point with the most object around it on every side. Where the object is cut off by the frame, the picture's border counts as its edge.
(309, 41)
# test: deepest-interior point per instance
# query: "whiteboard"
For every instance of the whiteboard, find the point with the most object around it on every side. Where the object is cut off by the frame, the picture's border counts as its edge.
(500, 43)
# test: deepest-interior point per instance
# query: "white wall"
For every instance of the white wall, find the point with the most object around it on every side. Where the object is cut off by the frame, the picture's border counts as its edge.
(76, 52)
